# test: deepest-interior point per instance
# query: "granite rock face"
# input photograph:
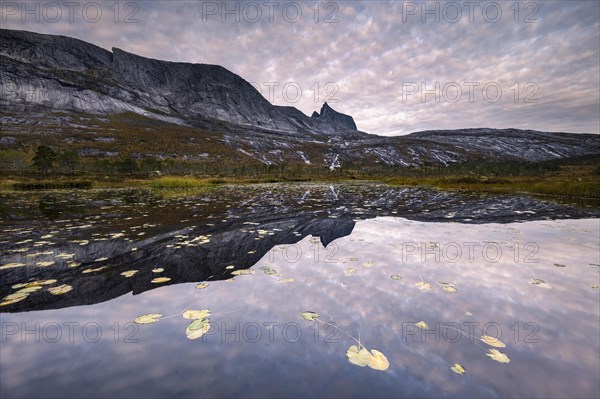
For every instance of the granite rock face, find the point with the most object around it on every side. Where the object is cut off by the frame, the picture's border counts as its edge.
(69, 74)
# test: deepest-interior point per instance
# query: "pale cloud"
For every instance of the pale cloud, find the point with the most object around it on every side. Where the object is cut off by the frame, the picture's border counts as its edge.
(372, 52)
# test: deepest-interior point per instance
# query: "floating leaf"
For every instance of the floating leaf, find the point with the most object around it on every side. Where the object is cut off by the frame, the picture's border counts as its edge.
(196, 314)
(350, 271)
(492, 341)
(447, 287)
(197, 328)
(540, 283)
(285, 280)
(310, 316)
(378, 361)
(202, 285)
(148, 318)
(423, 286)
(422, 325)
(358, 357)
(457, 368)
(160, 280)
(11, 265)
(31, 289)
(158, 270)
(94, 270)
(44, 282)
(596, 287)
(242, 272)
(395, 277)
(369, 264)
(559, 265)
(61, 289)
(129, 273)
(14, 298)
(33, 284)
(268, 271)
(45, 264)
(498, 356)
(22, 285)
(230, 267)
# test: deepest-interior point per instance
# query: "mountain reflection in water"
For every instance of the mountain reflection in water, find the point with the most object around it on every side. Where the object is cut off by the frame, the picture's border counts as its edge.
(88, 239)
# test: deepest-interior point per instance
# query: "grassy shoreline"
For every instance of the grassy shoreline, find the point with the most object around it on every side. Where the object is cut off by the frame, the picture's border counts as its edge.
(544, 185)
(571, 180)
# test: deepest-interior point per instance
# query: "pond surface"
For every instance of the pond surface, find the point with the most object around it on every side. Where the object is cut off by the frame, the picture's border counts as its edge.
(77, 268)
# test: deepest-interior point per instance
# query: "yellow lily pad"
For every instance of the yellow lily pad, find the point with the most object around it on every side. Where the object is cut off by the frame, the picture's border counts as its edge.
(422, 325)
(45, 263)
(33, 284)
(160, 280)
(540, 283)
(129, 273)
(61, 289)
(423, 286)
(14, 298)
(492, 341)
(94, 270)
(310, 316)
(196, 314)
(458, 369)
(498, 356)
(65, 256)
(148, 318)
(351, 271)
(202, 285)
(30, 289)
(447, 287)
(242, 272)
(369, 264)
(197, 328)
(158, 270)
(358, 357)
(378, 361)
(11, 265)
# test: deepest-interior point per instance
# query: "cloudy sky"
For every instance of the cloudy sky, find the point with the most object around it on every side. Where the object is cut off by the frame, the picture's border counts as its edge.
(395, 66)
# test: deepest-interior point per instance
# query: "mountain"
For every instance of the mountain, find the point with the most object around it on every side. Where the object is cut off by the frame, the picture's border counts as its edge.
(103, 102)
(70, 74)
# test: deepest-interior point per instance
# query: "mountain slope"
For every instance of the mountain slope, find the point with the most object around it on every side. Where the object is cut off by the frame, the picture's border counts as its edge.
(69, 74)
(55, 89)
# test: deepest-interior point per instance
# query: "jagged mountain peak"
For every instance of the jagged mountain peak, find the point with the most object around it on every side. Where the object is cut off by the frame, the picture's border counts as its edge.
(335, 118)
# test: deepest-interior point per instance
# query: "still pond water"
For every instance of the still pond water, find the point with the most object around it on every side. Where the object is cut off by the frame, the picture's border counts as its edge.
(418, 275)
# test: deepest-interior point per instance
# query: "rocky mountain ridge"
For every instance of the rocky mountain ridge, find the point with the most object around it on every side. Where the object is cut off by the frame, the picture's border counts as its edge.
(47, 78)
